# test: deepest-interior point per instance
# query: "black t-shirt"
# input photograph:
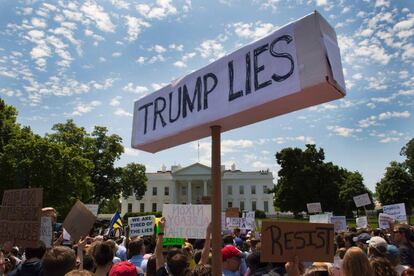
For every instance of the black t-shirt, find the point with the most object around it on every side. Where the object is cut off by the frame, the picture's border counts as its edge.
(162, 272)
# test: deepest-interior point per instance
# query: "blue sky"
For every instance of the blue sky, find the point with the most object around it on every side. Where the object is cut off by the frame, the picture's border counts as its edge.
(90, 60)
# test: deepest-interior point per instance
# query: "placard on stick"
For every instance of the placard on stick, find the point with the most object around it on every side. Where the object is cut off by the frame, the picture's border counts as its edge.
(314, 207)
(232, 212)
(141, 226)
(20, 216)
(79, 221)
(362, 200)
(397, 211)
(282, 241)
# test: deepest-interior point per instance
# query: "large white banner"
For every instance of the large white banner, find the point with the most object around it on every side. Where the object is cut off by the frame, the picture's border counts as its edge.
(246, 86)
(397, 211)
(186, 221)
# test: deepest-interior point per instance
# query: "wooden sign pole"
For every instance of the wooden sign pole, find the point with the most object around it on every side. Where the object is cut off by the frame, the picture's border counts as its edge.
(216, 199)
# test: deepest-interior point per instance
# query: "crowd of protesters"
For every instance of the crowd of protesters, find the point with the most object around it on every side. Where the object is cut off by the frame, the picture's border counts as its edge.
(358, 252)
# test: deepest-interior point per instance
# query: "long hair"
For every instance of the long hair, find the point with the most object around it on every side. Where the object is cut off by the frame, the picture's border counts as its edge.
(355, 263)
(382, 267)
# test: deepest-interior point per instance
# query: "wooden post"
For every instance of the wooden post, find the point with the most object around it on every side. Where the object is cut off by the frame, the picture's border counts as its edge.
(216, 199)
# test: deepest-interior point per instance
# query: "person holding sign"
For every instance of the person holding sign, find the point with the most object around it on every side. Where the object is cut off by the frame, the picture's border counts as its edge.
(401, 236)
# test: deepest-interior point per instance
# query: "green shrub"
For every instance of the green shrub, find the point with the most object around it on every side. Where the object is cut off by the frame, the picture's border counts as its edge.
(260, 214)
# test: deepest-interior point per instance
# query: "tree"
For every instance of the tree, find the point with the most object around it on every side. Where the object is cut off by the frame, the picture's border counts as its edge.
(396, 186)
(133, 180)
(408, 152)
(304, 178)
(8, 125)
(352, 185)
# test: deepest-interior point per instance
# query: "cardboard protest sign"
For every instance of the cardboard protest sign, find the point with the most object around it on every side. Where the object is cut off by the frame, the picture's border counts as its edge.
(314, 207)
(141, 226)
(232, 212)
(79, 221)
(362, 222)
(66, 235)
(384, 220)
(93, 208)
(186, 221)
(339, 223)
(292, 68)
(397, 211)
(320, 218)
(46, 231)
(20, 214)
(362, 200)
(172, 241)
(282, 241)
(232, 222)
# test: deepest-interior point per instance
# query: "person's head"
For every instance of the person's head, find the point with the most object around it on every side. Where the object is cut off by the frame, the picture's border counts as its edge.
(339, 241)
(35, 252)
(177, 263)
(340, 252)
(318, 269)
(58, 261)
(236, 232)
(348, 239)
(202, 270)
(356, 262)
(361, 240)
(151, 266)
(393, 255)
(102, 253)
(88, 263)
(382, 267)
(377, 247)
(401, 233)
(7, 247)
(136, 247)
(79, 273)
(228, 239)
(50, 212)
(123, 269)
(408, 272)
(253, 261)
(231, 257)
(113, 245)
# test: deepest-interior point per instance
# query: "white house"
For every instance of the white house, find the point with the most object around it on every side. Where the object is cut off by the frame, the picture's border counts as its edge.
(192, 185)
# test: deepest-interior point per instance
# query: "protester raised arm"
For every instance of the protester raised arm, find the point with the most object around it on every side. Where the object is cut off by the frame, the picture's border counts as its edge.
(206, 249)
(159, 258)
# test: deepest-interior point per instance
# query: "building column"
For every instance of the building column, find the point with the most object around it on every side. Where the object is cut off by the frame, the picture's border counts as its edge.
(205, 188)
(173, 191)
(189, 192)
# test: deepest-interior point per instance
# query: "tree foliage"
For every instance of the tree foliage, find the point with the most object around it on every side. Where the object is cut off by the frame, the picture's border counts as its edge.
(305, 177)
(68, 163)
(396, 186)
(408, 152)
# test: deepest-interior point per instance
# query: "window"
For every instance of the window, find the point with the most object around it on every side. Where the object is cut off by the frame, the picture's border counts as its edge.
(241, 205)
(253, 189)
(183, 190)
(142, 207)
(266, 206)
(167, 191)
(241, 190)
(229, 190)
(129, 207)
(154, 207)
(253, 205)
(230, 204)
(154, 191)
(265, 189)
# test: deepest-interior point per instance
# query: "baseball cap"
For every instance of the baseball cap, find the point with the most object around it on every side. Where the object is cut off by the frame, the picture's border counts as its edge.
(124, 268)
(392, 251)
(229, 251)
(238, 241)
(378, 243)
(361, 237)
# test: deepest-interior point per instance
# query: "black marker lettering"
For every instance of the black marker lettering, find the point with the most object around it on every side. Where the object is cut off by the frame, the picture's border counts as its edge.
(288, 39)
(171, 104)
(258, 69)
(145, 106)
(248, 73)
(298, 237)
(287, 240)
(208, 91)
(232, 95)
(157, 112)
(275, 238)
(190, 103)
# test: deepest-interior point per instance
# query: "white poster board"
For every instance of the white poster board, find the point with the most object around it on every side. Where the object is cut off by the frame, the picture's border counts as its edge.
(186, 221)
(397, 211)
(223, 221)
(93, 208)
(384, 220)
(256, 82)
(339, 223)
(320, 218)
(46, 231)
(250, 222)
(362, 200)
(141, 226)
(362, 222)
(232, 223)
(314, 208)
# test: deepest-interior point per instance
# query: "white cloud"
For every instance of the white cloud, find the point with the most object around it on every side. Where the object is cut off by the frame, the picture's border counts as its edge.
(97, 14)
(38, 22)
(211, 49)
(228, 146)
(252, 30)
(135, 26)
(380, 3)
(268, 4)
(120, 4)
(321, 2)
(177, 47)
(393, 114)
(131, 152)
(115, 101)
(82, 108)
(180, 64)
(140, 60)
(122, 112)
(370, 121)
(343, 131)
(159, 10)
(137, 89)
(116, 54)
(159, 49)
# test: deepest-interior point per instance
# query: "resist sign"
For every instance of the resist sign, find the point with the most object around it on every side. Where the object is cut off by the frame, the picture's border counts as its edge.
(141, 226)
(282, 241)
(186, 221)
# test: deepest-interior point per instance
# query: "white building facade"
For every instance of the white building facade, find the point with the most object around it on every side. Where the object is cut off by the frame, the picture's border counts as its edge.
(192, 185)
